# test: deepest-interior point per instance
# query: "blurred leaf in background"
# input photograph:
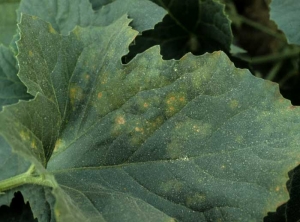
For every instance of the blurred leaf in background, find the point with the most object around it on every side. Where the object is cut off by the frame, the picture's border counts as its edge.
(190, 26)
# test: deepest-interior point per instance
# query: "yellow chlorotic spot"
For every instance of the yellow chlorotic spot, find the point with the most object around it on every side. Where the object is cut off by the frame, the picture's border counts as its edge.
(195, 199)
(185, 158)
(136, 140)
(182, 99)
(34, 17)
(155, 124)
(33, 144)
(99, 95)
(58, 144)
(76, 32)
(175, 149)
(51, 29)
(239, 139)
(170, 111)
(171, 99)
(277, 188)
(120, 120)
(146, 105)
(196, 128)
(72, 92)
(202, 129)
(171, 108)
(75, 94)
(103, 81)
(57, 213)
(104, 78)
(158, 121)
(171, 185)
(119, 126)
(174, 102)
(223, 167)
(24, 135)
(87, 76)
(138, 129)
(30, 53)
(233, 104)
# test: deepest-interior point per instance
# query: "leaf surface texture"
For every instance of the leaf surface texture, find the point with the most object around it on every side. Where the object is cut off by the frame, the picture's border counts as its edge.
(152, 140)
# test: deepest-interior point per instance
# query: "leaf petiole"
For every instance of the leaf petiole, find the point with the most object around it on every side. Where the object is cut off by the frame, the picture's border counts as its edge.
(25, 178)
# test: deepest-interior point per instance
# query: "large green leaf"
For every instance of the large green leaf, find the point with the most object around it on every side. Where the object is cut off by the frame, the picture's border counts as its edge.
(8, 20)
(196, 26)
(286, 15)
(11, 88)
(153, 140)
(65, 15)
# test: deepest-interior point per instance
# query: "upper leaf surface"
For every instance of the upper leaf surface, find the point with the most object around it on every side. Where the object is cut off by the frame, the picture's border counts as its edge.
(65, 15)
(152, 140)
(286, 15)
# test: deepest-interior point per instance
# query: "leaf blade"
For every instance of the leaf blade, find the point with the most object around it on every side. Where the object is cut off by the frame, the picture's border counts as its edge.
(285, 14)
(11, 88)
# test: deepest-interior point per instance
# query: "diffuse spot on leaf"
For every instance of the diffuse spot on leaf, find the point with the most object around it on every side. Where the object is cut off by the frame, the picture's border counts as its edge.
(234, 104)
(120, 120)
(99, 95)
(30, 53)
(76, 95)
(239, 139)
(184, 131)
(51, 29)
(196, 199)
(175, 102)
(26, 137)
(172, 185)
(33, 143)
(138, 127)
(59, 145)
(86, 77)
(119, 123)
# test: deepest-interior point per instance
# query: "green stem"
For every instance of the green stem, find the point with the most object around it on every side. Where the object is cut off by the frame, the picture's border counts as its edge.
(25, 178)
(260, 27)
(274, 70)
(272, 57)
(287, 77)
